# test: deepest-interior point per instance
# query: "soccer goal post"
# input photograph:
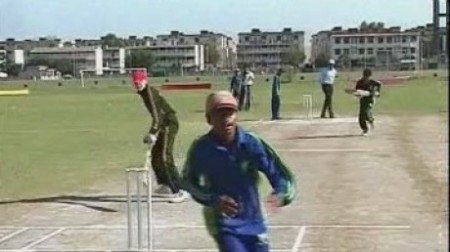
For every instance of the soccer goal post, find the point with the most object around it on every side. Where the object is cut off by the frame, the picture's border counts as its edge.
(86, 73)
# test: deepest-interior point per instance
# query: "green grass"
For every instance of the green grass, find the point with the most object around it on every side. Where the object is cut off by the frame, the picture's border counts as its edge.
(61, 140)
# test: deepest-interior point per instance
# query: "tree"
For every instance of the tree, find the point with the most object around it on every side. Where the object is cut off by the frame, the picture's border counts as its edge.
(363, 25)
(293, 56)
(380, 25)
(65, 66)
(212, 54)
(344, 61)
(140, 58)
(321, 60)
(13, 69)
(111, 40)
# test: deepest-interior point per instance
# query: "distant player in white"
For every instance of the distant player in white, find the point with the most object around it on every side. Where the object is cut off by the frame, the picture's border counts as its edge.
(246, 89)
(326, 80)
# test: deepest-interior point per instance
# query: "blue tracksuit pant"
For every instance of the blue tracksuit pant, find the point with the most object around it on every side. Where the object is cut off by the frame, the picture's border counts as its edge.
(242, 243)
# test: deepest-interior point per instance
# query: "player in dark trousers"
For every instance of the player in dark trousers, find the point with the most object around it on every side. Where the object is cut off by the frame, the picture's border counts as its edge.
(235, 84)
(246, 89)
(326, 79)
(276, 85)
(367, 89)
(222, 173)
(161, 135)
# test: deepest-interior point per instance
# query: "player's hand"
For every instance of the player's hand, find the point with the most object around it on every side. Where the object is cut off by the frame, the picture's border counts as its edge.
(149, 139)
(377, 94)
(349, 90)
(273, 202)
(227, 206)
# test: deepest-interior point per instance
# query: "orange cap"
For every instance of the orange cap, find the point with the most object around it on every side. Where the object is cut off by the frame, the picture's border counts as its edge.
(220, 99)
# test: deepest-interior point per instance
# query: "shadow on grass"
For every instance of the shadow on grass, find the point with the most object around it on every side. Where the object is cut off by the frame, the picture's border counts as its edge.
(77, 200)
(322, 137)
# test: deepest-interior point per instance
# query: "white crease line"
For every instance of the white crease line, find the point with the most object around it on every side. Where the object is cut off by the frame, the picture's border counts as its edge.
(362, 226)
(122, 250)
(13, 234)
(298, 240)
(324, 150)
(125, 227)
(343, 226)
(44, 238)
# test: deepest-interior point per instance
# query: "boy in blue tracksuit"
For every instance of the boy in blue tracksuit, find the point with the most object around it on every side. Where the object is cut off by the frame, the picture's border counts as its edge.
(221, 173)
(276, 86)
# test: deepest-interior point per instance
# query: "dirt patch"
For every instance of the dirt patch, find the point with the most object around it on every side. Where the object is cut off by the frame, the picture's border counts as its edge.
(383, 192)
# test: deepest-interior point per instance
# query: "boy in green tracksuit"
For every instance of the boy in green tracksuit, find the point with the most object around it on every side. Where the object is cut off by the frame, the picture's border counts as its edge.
(367, 89)
(161, 136)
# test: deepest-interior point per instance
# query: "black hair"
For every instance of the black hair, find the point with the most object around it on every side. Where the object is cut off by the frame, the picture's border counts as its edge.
(367, 72)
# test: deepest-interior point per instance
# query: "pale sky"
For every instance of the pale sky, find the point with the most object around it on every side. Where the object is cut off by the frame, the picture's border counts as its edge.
(70, 19)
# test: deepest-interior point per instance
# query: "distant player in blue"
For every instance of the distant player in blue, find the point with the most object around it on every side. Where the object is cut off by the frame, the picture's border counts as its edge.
(276, 87)
(222, 173)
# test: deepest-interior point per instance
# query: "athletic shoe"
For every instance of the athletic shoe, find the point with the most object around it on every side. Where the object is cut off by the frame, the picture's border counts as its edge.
(364, 133)
(180, 197)
(163, 191)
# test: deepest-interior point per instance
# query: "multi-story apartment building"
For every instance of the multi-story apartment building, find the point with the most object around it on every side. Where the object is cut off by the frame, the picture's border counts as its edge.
(114, 58)
(187, 57)
(320, 45)
(3, 56)
(16, 52)
(377, 47)
(264, 49)
(118, 42)
(224, 45)
(427, 44)
(81, 58)
(10, 44)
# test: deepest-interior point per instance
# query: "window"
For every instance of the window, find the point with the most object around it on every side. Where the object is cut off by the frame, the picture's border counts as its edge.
(389, 40)
(346, 51)
(197, 40)
(246, 39)
(361, 40)
(380, 40)
(370, 39)
(278, 38)
(413, 38)
(361, 51)
(346, 40)
(337, 51)
(369, 50)
(404, 39)
(337, 40)
(413, 50)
